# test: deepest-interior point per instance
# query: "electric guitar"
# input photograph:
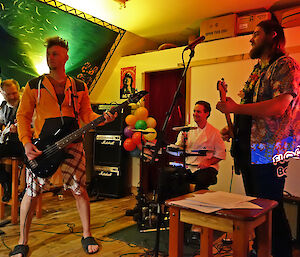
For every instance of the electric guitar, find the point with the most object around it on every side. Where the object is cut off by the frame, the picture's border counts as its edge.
(222, 87)
(52, 147)
(4, 134)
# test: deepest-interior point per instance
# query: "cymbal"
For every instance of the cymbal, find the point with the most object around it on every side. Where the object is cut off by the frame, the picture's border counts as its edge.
(184, 128)
(142, 131)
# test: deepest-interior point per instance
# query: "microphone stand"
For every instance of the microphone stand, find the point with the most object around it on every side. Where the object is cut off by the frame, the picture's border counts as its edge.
(158, 146)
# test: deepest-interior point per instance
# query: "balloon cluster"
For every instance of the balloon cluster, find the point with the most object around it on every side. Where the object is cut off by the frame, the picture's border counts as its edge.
(138, 121)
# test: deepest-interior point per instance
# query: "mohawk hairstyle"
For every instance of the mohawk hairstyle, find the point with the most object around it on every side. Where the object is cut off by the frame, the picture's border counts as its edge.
(57, 41)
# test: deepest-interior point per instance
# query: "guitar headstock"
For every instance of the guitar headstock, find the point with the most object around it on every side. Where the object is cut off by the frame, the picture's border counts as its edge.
(222, 87)
(134, 98)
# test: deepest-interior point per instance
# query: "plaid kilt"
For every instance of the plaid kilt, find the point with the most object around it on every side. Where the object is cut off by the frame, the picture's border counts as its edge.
(73, 173)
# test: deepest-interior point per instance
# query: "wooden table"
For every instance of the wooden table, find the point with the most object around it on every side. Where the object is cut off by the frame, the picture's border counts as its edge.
(239, 222)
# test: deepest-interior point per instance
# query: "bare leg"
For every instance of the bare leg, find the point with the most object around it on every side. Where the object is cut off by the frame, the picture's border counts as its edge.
(26, 213)
(83, 207)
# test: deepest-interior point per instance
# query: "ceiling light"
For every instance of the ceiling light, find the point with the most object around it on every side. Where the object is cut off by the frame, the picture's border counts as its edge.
(122, 3)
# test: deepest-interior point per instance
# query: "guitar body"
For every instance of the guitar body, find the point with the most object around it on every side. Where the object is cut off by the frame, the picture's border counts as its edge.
(45, 167)
(48, 162)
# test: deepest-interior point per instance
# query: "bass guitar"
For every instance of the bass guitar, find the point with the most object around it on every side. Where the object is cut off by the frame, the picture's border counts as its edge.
(52, 147)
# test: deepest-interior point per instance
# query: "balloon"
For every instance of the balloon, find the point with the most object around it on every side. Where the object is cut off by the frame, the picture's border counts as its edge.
(129, 145)
(141, 124)
(128, 131)
(151, 122)
(136, 138)
(135, 153)
(150, 136)
(141, 113)
(130, 120)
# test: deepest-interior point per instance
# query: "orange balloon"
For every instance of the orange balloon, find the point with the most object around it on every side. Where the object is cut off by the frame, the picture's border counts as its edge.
(151, 122)
(136, 138)
(131, 120)
(141, 113)
(129, 145)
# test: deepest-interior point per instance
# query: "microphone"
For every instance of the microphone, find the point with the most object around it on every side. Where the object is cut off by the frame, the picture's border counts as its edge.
(197, 41)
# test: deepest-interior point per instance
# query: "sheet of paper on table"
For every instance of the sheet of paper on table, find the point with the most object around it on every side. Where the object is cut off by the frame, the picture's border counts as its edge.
(214, 201)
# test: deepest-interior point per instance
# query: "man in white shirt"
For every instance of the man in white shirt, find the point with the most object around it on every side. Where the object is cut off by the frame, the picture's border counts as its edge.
(204, 169)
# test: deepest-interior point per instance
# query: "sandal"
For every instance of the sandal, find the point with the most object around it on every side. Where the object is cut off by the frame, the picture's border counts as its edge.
(88, 241)
(20, 249)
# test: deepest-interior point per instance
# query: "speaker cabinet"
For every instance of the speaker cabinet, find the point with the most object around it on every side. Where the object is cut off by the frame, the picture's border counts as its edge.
(110, 172)
(108, 150)
(110, 161)
(111, 181)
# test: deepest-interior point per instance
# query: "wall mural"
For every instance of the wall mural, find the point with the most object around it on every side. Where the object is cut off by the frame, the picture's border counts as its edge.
(24, 26)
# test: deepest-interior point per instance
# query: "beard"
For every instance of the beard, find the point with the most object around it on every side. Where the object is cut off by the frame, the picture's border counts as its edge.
(261, 48)
(257, 51)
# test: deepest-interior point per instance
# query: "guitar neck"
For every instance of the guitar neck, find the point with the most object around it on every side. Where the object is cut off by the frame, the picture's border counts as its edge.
(79, 132)
(227, 115)
(230, 125)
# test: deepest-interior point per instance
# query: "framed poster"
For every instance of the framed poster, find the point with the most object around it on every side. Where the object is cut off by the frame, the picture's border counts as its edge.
(127, 86)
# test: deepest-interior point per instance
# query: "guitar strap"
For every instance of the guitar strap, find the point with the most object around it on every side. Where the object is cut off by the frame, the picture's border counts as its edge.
(74, 97)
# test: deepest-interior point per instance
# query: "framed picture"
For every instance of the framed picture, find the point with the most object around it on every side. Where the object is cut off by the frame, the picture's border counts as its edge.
(127, 86)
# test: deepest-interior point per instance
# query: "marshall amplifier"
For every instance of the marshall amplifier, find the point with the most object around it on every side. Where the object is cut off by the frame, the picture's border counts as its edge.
(108, 150)
(110, 177)
(115, 127)
(110, 181)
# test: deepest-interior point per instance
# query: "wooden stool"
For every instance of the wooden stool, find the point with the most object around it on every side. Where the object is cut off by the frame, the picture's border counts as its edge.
(239, 222)
(15, 162)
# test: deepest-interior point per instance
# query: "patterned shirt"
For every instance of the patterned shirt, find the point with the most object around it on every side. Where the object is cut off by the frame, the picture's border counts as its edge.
(277, 138)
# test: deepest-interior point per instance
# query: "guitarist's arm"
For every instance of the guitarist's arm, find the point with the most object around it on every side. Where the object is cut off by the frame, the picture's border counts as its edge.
(272, 107)
(86, 113)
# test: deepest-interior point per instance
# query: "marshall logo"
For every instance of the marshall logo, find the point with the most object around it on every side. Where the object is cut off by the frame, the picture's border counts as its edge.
(106, 142)
(105, 173)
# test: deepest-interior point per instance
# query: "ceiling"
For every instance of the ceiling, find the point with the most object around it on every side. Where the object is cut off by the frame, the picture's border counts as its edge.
(169, 20)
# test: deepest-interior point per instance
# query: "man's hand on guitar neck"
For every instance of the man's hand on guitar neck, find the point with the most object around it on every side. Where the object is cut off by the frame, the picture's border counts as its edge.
(109, 117)
(31, 151)
(228, 106)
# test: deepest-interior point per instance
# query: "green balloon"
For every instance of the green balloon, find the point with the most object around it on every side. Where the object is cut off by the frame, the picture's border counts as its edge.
(141, 124)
